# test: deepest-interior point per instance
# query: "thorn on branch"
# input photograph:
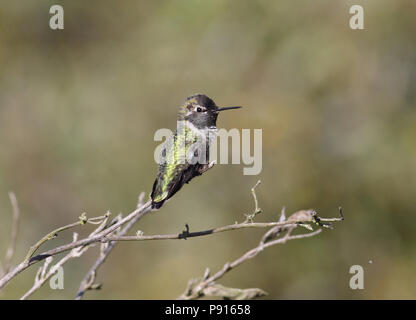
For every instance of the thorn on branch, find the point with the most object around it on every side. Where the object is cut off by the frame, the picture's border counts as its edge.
(341, 214)
(283, 214)
(206, 274)
(83, 218)
(139, 233)
(185, 234)
(140, 200)
(96, 286)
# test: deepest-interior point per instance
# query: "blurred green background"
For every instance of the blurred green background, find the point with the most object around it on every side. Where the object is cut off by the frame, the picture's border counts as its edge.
(79, 108)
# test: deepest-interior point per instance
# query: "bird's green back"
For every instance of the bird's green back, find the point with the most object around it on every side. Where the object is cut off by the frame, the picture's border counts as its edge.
(175, 161)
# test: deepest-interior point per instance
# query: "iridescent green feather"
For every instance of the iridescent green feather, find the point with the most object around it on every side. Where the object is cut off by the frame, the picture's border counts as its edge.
(175, 163)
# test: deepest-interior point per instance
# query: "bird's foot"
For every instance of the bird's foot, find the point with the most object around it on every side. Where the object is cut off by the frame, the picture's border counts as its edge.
(206, 167)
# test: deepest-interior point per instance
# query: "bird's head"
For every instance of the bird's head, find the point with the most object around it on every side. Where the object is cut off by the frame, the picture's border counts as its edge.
(201, 111)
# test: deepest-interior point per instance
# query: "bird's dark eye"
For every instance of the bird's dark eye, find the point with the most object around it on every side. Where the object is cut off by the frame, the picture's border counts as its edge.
(198, 109)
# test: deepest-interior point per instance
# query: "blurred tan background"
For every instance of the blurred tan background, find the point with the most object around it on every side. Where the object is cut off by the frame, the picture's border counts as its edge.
(79, 108)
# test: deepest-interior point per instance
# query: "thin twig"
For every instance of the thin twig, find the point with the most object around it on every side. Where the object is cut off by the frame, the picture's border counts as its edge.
(86, 241)
(177, 236)
(13, 237)
(104, 237)
(207, 286)
(53, 234)
(108, 234)
(195, 291)
(74, 253)
(257, 210)
(88, 282)
(43, 274)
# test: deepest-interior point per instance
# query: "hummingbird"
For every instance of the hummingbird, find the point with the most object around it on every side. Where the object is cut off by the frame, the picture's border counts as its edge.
(185, 154)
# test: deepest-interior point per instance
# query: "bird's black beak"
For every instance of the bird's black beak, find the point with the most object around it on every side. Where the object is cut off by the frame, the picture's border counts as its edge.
(227, 108)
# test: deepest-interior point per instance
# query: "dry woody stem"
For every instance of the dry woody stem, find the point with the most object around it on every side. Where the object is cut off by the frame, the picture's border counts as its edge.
(111, 231)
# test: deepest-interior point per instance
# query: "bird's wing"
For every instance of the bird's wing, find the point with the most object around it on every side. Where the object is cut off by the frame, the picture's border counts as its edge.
(176, 171)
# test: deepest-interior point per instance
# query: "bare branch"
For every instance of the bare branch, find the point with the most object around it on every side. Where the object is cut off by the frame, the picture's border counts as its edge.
(197, 290)
(13, 236)
(257, 210)
(88, 282)
(145, 208)
(108, 233)
(53, 234)
(176, 236)
(44, 276)
(207, 286)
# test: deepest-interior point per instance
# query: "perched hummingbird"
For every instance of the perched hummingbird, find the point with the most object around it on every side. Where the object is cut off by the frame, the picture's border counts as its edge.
(183, 151)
